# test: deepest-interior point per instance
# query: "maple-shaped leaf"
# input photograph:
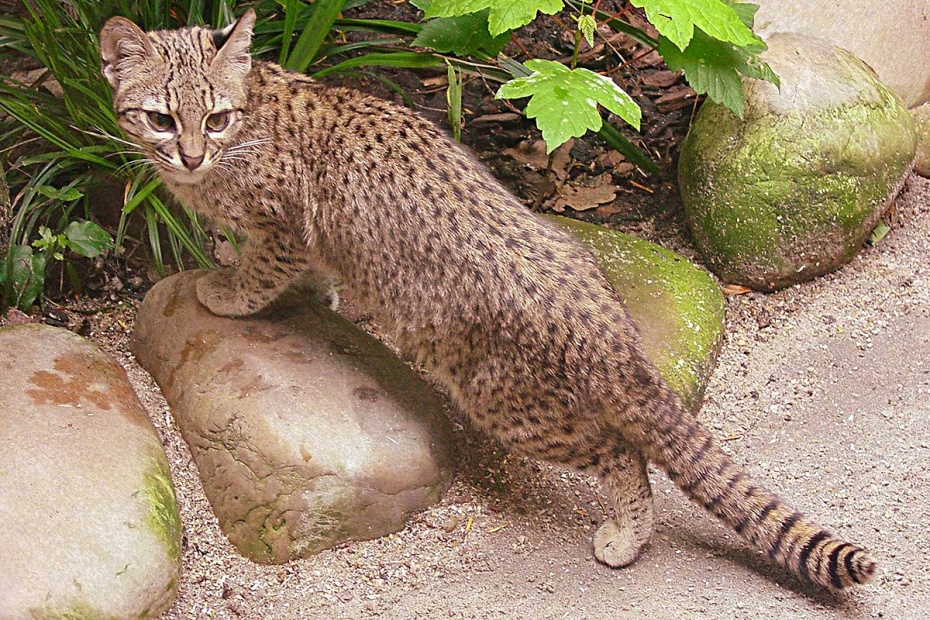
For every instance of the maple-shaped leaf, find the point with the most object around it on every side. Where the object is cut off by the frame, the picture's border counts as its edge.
(462, 35)
(676, 19)
(714, 67)
(504, 14)
(564, 101)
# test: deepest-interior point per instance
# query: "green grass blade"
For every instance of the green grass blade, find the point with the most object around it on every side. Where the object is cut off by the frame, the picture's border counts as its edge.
(310, 40)
(378, 25)
(291, 12)
(626, 148)
(405, 60)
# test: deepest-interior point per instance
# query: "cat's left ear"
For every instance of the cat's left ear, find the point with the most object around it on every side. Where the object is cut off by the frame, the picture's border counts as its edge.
(233, 43)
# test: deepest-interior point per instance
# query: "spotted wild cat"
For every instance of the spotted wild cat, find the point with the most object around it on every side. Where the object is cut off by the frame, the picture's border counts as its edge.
(507, 312)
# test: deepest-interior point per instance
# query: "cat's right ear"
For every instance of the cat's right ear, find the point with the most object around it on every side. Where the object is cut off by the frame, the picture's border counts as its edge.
(233, 45)
(122, 43)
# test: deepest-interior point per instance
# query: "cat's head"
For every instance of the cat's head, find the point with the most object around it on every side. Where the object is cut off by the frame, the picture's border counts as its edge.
(179, 94)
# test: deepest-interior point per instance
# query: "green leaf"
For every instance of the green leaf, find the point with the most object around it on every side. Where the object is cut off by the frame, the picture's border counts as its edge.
(622, 145)
(879, 233)
(586, 26)
(463, 35)
(67, 194)
(504, 14)
(87, 239)
(564, 101)
(454, 102)
(308, 44)
(714, 67)
(676, 20)
(406, 60)
(26, 276)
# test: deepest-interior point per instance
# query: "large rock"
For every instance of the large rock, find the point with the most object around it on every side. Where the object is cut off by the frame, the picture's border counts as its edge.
(792, 190)
(677, 307)
(90, 523)
(891, 36)
(307, 432)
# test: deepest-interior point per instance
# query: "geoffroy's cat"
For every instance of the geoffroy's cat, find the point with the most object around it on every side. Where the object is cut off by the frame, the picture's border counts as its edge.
(506, 311)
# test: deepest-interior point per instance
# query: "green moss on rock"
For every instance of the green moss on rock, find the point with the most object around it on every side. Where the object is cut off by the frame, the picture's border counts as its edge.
(793, 189)
(77, 611)
(163, 517)
(677, 307)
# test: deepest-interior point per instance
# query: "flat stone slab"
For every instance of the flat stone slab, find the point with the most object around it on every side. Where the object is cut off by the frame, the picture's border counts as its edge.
(307, 432)
(677, 307)
(90, 524)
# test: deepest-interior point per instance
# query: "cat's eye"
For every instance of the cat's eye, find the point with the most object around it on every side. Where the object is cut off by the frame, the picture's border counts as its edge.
(218, 121)
(160, 122)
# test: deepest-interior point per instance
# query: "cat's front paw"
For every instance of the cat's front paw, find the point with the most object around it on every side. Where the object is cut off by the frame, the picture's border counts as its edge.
(217, 292)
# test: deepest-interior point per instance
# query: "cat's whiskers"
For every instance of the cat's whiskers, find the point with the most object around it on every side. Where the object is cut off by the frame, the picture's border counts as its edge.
(141, 163)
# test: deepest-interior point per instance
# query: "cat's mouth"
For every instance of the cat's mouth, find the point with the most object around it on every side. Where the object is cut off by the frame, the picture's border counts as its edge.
(181, 174)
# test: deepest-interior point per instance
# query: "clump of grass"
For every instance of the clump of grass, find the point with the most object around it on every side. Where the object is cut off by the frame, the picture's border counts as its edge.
(61, 135)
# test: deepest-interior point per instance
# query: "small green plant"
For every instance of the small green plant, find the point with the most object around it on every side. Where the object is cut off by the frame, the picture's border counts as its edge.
(710, 40)
(23, 273)
(564, 101)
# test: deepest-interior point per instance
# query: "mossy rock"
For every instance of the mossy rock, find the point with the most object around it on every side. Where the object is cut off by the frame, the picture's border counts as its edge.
(792, 190)
(922, 123)
(91, 525)
(677, 307)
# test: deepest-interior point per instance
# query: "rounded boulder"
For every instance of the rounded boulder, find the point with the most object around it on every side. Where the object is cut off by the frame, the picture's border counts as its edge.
(90, 523)
(677, 307)
(790, 191)
(307, 431)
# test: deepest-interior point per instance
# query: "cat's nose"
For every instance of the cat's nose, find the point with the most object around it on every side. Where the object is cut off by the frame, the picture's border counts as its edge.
(191, 163)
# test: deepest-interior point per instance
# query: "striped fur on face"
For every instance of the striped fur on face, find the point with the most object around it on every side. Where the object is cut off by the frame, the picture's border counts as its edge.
(505, 310)
(179, 98)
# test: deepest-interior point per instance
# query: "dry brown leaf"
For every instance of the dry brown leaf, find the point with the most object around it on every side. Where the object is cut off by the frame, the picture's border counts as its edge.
(584, 198)
(735, 289)
(533, 154)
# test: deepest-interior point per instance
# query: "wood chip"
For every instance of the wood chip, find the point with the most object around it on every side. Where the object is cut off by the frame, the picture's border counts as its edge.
(661, 79)
(502, 117)
(676, 99)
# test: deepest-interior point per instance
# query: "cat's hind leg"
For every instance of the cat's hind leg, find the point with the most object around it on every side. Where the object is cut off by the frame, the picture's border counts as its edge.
(623, 472)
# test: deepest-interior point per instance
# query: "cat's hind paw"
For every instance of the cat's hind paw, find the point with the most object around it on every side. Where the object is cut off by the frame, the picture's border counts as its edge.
(616, 546)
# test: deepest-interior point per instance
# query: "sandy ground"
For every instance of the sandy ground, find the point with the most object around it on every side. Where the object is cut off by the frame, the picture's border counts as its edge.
(823, 391)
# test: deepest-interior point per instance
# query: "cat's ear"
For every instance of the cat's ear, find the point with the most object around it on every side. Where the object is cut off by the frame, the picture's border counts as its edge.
(233, 43)
(122, 44)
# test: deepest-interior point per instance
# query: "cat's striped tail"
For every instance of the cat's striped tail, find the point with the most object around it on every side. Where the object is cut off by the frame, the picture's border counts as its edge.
(674, 439)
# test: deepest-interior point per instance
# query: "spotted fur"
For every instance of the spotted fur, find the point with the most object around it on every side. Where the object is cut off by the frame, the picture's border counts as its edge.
(505, 310)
